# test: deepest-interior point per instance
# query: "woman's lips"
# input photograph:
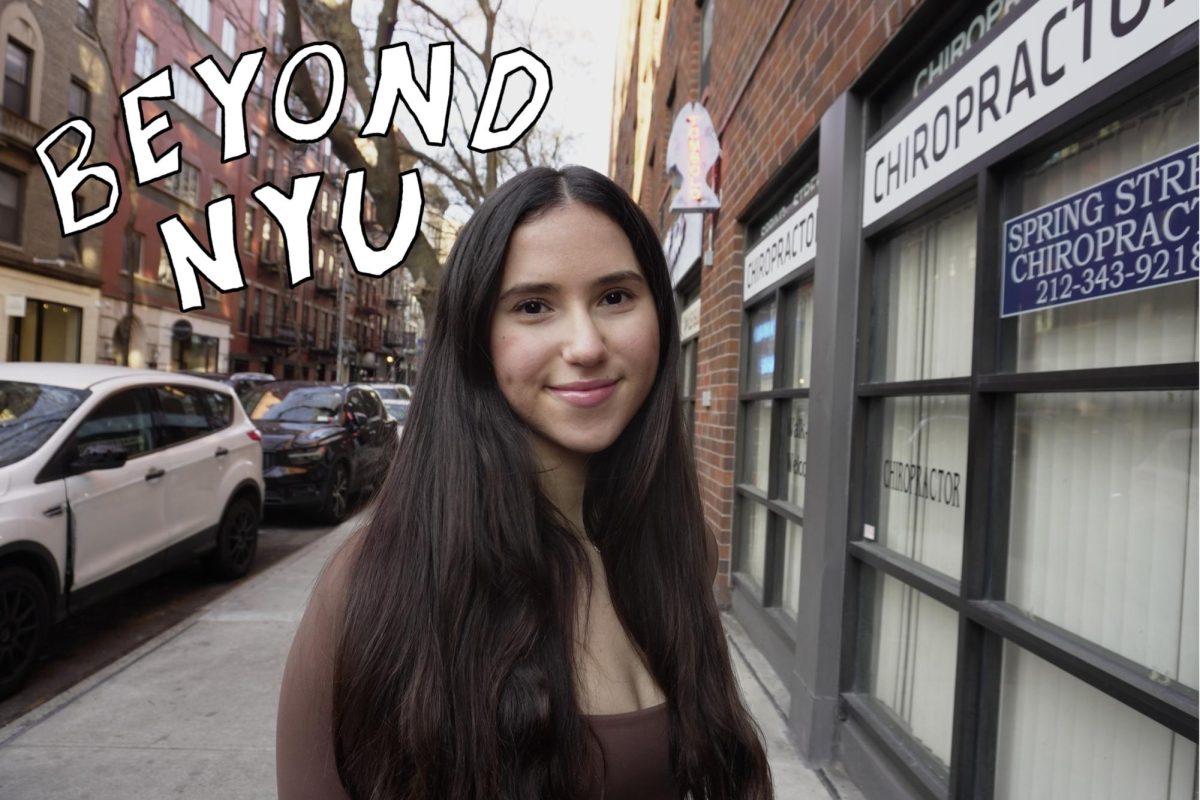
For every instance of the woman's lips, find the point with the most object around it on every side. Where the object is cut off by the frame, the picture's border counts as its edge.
(585, 395)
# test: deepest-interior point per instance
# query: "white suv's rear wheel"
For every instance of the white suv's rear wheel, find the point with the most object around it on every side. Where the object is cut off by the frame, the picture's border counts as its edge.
(237, 540)
(24, 623)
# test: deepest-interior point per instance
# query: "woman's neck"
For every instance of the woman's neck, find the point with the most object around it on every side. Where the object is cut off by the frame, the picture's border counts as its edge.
(563, 476)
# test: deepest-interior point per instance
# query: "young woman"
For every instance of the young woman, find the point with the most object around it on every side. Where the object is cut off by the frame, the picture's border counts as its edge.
(529, 612)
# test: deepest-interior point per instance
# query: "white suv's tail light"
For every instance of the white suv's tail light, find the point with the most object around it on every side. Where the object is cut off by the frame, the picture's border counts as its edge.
(255, 435)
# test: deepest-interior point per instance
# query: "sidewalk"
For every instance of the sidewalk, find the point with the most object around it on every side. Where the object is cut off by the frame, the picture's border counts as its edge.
(191, 713)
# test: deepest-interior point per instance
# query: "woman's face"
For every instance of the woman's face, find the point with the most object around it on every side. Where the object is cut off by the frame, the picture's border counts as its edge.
(574, 338)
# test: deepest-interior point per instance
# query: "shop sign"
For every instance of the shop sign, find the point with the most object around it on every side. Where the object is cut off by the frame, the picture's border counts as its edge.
(682, 246)
(1132, 232)
(689, 321)
(14, 305)
(1050, 54)
(923, 481)
(969, 33)
(692, 151)
(783, 251)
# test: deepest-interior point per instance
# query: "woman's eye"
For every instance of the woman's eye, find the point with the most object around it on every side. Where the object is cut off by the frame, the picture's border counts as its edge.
(616, 296)
(531, 307)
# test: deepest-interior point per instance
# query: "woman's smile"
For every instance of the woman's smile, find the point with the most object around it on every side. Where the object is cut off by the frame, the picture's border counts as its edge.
(585, 394)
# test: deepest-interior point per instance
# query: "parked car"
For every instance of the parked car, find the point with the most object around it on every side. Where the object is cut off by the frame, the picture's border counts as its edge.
(242, 382)
(393, 391)
(398, 410)
(108, 475)
(322, 443)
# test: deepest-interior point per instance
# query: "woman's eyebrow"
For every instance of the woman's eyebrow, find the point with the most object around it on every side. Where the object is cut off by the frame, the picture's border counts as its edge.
(550, 288)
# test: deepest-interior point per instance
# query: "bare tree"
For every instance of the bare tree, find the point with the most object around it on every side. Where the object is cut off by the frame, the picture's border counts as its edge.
(477, 28)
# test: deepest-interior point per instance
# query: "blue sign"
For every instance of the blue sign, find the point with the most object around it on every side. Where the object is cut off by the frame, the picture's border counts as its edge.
(1132, 232)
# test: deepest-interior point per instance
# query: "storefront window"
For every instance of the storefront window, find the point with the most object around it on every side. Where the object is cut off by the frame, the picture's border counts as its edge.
(913, 644)
(1104, 522)
(924, 297)
(919, 485)
(800, 374)
(752, 550)
(1151, 326)
(791, 568)
(1061, 738)
(760, 360)
(47, 332)
(198, 353)
(756, 441)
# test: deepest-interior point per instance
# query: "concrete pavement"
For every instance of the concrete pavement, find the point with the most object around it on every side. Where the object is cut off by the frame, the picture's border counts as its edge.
(191, 713)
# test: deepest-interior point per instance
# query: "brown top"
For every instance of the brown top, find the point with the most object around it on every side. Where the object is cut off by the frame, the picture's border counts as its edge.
(635, 745)
(637, 754)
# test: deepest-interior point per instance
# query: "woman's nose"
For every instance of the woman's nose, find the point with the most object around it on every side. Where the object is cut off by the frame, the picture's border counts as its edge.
(584, 344)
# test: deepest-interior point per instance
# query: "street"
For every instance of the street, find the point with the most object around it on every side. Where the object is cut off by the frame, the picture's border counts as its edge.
(103, 633)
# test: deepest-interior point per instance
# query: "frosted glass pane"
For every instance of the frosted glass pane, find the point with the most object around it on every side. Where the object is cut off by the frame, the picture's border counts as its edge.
(921, 482)
(1103, 531)
(1061, 739)
(924, 298)
(796, 450)
(801, 373)
(791, 569)
(756, 444)
(914, 648)
(752, 542)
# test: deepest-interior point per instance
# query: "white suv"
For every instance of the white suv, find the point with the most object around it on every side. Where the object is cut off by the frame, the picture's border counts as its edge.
(109, 475)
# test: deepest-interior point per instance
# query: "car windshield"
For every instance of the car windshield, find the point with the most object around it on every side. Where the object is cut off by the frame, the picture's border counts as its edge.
(30, 413)
(397, 408)
(388, 392)
(304, 404)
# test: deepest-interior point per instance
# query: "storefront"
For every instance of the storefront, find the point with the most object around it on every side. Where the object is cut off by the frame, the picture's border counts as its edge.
(966, 510)
(966, 505)
(45, 319)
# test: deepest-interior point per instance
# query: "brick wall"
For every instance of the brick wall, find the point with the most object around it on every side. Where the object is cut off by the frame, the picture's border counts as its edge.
(775, 67)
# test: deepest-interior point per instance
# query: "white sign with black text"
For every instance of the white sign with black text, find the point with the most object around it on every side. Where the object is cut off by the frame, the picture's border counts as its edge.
(1050, 54)
(689, 321)
(783, 251)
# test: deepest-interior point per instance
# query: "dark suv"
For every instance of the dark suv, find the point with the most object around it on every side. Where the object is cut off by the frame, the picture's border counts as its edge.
(322, 443)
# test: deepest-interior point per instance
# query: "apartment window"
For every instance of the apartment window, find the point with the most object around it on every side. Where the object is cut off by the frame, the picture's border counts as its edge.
(270, 175)
(219, 190)
(133, 253)
(83, 17)
(248, 229)
(229, 38)
(253, 166)
(79, 99)
(198, 10)
(166, 275)
(264, 14)
(11, 189)
(18, 61)
(145, 56)
(241, 317)
(185, 184)
(189, 92)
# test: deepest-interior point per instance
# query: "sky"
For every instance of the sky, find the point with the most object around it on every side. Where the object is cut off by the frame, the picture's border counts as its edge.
(581, 52)
(578, 40)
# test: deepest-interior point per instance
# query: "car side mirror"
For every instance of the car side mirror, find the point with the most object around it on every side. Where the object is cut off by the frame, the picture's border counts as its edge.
(99, 456)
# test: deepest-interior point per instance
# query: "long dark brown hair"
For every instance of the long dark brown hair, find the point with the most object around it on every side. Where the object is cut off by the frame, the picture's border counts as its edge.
(455, 675)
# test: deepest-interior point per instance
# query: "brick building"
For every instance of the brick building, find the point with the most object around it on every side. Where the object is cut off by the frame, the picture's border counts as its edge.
(927, 428)
(52, 69)
(111, 288)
